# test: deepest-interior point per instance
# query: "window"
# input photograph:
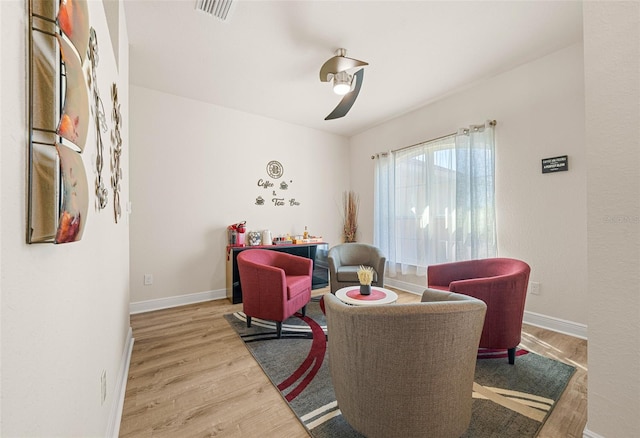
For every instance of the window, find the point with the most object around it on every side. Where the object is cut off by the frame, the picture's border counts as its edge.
(435, 201)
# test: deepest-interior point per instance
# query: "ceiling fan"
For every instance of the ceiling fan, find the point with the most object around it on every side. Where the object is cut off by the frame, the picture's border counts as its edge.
(346, 74)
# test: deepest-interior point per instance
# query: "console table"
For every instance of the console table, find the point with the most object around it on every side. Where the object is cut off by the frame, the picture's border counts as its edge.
(314, 251)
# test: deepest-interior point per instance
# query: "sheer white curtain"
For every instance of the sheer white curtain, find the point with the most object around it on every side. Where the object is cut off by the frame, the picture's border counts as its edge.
(384, 230)
(475, 193)
(434, 202)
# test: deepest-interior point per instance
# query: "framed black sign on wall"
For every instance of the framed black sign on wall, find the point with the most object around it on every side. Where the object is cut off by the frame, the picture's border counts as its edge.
(555, 164)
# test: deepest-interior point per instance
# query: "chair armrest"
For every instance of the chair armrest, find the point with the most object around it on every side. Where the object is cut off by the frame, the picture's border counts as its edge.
(442, 275)
(296, 265)
(435, 295)
(382, 261)
(267, 282)
(377, 261)
(334, 259)
(498, 291)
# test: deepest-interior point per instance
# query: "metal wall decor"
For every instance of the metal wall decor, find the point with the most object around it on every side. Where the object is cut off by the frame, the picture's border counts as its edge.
(102, 195)
(58, 121)
(116, 152)
(275, 170)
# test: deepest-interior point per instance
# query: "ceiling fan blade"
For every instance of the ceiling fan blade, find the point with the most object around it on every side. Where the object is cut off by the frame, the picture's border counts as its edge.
(337, 64)
(347, 101)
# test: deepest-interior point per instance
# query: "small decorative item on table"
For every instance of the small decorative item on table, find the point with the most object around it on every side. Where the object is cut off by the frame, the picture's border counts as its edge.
(255, 238)
(365, 276)
(281, 240)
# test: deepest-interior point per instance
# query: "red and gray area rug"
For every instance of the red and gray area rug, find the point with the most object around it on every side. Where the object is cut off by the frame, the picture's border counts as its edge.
(509, 401)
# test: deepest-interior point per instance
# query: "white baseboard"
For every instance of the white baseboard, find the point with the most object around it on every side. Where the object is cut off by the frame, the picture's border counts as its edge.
(536, 319)
(175, 301)
(404, 286)
(588, 434)
(115, 416)
(570, 328)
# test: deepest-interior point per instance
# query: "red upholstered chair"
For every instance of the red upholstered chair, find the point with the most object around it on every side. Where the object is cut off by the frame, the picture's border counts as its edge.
(501, 283)
(275, 285)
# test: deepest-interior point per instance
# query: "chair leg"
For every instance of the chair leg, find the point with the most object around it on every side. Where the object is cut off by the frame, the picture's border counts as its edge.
(279, 329)
(248, 321)
(512, 355)
(304, 310)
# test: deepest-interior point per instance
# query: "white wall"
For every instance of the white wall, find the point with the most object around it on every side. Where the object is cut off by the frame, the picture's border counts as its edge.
(2, 31)
(64, 307)
(541, 219)
(612, 78)
(195, 171)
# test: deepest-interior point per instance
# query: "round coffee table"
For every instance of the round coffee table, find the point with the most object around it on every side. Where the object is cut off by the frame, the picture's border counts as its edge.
(379, 295)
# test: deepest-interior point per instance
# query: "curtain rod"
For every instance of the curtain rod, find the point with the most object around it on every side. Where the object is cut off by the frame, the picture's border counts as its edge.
(373, 157)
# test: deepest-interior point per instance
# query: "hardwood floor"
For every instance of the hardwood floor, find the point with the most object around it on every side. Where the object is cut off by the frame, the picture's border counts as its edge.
(192, 376)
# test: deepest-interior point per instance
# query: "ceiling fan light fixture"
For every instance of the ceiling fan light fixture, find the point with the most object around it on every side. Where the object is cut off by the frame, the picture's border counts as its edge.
(342, 83)
(346, 75)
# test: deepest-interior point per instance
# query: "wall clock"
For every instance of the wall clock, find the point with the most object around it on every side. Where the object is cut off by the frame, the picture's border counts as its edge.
(275, 169)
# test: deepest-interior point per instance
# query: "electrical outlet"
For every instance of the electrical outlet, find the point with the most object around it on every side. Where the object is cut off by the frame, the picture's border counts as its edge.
(148, 279)
(103, 386)
(534, 288)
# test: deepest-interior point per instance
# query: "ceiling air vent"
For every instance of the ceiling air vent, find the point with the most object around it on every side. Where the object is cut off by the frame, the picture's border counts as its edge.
(218, 8)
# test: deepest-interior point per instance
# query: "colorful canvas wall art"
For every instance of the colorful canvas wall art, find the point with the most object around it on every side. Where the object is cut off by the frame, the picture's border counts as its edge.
(43, 192)
(74, 122)
(58, 121)
(73, 19)
(74, 196)
(44, 67)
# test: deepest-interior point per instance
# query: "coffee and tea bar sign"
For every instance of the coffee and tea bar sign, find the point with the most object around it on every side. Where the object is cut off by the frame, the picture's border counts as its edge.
(275, 192)
(555, 164)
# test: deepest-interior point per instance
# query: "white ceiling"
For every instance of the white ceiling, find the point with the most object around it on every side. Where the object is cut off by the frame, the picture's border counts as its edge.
(266, 57)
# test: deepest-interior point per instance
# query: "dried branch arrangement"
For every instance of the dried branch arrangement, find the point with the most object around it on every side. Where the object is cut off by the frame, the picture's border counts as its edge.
(365, 275)
(350, 213)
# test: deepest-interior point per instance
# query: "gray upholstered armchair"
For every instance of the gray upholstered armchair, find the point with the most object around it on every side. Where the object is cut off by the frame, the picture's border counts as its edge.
(345, 259)
(405, 370)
